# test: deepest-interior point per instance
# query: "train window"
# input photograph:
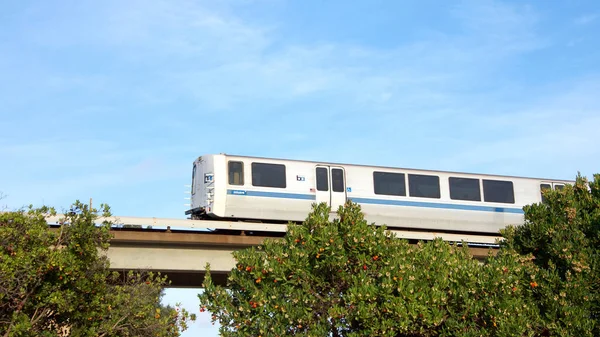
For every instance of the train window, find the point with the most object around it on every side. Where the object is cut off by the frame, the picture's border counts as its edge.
(236, 173)
(464, 189)
(559, 187)
(424, 186)
(544, 187)
(337, 180)
(389, 183)
(498, 191)
(268, 175)
(322, 180)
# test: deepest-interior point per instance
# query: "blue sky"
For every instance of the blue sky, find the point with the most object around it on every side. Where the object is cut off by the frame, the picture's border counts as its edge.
(113, 100)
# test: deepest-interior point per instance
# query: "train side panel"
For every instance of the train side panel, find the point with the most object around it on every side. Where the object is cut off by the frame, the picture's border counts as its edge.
(219, 184)
(443, 211)
(264, 189)
(437, 212)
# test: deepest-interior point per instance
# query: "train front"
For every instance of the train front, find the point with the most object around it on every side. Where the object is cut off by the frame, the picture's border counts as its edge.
(203, 189)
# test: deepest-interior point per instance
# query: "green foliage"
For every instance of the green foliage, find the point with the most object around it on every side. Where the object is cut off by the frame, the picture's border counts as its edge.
(57, 281)
(562, 235)
(349, 278)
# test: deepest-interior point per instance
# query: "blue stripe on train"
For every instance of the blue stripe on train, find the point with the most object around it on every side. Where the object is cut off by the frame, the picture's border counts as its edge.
(437, 205)
(381, 201)
(272, 194)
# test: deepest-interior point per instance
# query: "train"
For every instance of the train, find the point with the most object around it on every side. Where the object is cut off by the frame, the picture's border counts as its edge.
(276, 190)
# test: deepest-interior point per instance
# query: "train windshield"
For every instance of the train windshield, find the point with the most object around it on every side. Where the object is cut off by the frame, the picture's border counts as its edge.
(193, 178)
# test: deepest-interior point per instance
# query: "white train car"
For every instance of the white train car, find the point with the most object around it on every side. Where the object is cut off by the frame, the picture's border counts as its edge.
(231, 187)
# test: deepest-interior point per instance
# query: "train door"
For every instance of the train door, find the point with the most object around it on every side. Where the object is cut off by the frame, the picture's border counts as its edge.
(331, 186)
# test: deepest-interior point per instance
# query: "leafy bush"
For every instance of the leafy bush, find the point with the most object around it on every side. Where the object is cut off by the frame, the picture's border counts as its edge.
(57, 282)
(562, 236)
(349, 278)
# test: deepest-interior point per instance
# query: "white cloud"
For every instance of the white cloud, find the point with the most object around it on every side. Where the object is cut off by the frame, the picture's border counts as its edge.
(551, 134)
(57, 171)
(586, 19)
(227, 62)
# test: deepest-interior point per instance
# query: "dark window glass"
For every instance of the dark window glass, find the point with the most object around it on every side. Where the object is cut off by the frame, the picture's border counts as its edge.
(236, 173)
(268, 175)
(464, 189)
(544, 187)
(498, 191)
(194, 180)
(423, 186)
(388, 183)
(559, 187)
(337, 180)
(322, 180)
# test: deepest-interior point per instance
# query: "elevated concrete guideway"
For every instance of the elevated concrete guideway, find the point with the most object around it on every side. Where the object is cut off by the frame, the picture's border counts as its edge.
(181, 248)
(181, 256)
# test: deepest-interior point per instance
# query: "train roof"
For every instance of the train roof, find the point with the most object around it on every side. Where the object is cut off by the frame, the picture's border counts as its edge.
(389, 167)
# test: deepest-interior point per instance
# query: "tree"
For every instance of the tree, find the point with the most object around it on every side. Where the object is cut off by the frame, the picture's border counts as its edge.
(562, 236)
(349, 278)
(54, 281)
